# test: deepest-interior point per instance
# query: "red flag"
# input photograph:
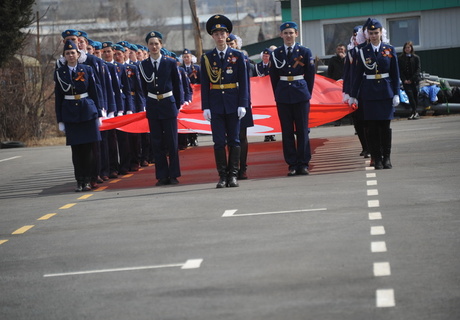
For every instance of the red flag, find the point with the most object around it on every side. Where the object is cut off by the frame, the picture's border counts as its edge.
(325, 106)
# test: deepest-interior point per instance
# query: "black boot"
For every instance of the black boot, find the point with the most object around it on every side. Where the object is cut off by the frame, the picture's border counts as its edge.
(86, 184)
(375, 146)
(233, 161)
(221, 164)
(79, 187)
(386, 142)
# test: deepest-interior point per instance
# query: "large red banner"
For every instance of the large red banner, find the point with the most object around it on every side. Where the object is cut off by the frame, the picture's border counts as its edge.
(325, 106)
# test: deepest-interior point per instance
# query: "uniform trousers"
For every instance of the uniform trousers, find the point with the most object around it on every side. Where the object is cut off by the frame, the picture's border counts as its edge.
(294, 122)
(225, 130)
(163, 135)
(83, 161)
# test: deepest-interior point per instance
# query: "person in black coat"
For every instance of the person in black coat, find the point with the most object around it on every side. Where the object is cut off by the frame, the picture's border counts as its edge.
(78, 112)
(409, 72)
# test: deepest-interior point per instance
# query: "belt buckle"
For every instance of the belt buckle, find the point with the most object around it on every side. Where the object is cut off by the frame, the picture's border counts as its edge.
(378, 76)
(77, 97)
(160, 97)
(290, 78)
(222, 86)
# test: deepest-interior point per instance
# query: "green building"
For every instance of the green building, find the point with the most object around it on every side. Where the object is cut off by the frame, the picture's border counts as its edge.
(433, 27)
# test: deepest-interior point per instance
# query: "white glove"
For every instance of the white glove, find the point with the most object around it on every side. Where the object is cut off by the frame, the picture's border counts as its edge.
(186, 103)
(395, 101)
(352, 101)
(129, 112)
(345, 97)
(100, 122)
(241, 112)
(207, 114)
(104, 113)
(120, 113)
(111, 115)
(61, 126)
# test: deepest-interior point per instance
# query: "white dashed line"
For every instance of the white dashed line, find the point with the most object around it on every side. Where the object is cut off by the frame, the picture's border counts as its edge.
(375, 216)
(385, 298)
(373, 203)
(382, 269)
(378, 246)
(377, 230)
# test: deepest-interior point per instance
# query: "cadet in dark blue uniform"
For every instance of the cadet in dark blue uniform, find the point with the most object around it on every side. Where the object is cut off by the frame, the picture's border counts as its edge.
(379, 90)
(292, 73)
(78, 113)
(162, 87)
(224, 98)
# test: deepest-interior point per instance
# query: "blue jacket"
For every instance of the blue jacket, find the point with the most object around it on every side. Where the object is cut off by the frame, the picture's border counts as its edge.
(137, 94)
(369, 64)
(231, 71)
(76, 110)
(301, 63)
(166, 80)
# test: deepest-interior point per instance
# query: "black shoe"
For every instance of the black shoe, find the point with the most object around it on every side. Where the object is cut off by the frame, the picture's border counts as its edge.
(303, 171)
(242, 175)
(79, 187)
(232, 182)
(387, 163)
(378, 164)
(163, 182)
(86, 187)
(173, 181)
(272, 138)
(113, 175)
(292, 172)
(222, 183)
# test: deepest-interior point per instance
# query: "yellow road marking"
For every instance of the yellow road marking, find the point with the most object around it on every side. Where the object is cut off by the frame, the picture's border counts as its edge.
(86, 196)
(127, 176)
(67, 206)
(3, 241)
(115, 181)
(47, 216)
(22, 230)
(101, 188)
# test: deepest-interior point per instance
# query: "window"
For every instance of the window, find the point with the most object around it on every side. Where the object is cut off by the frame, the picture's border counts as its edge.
(338, 33)
(403, 30)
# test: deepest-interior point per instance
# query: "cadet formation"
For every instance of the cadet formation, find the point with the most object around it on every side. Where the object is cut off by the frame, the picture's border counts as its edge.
(96, 80)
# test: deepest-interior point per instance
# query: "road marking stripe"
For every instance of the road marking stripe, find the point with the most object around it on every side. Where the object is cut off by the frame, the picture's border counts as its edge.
(230, 213)
(369, 168)
(101, 188)
(385, 298)
(67, 206)
(375, 216)
(378, 246)
(189, 264)
(371, 182)
(23, 229)
(192, 264)
(12, 158)
(86, 196)
(114, 181)
(47, 216)
(373, 203)
(373, 192)
(382, 269)
(377, 230)
(3, 241)
(371, 175)
(127, 175)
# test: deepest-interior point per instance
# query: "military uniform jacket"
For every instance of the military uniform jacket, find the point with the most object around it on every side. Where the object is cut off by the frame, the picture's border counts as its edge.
(193, 73)
(136, 94)
(302, 64)
(262, 70)
(232, 71)
(114, 89)
(383, 67)
(166, 80)
(128, 104)
(76, 109)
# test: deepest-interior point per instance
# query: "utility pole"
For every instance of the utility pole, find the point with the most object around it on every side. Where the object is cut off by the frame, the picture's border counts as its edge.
(196, 30)
(296, 14)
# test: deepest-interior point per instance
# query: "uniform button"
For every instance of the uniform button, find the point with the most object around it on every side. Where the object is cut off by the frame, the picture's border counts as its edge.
(290, 83)
(289, 72)
(223, 92)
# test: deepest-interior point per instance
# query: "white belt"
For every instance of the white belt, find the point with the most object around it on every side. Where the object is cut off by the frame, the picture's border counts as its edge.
(160, 96)
(377, 76)
(291, 78)
(76, 97)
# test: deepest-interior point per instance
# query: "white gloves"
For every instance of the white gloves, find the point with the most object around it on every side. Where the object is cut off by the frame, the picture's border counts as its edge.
(61, 126)
(207, 114)
(241, 112)
(395, 101)
(111, 115)
(104, 113)
(352, 101)
(99, 122)
(129, 112)
(345, 97)
(120, 113)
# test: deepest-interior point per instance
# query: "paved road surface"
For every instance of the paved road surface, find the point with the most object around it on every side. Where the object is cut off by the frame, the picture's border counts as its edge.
(345, 242)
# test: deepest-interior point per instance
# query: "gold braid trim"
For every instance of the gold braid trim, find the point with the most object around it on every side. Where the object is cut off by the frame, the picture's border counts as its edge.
(214, 76)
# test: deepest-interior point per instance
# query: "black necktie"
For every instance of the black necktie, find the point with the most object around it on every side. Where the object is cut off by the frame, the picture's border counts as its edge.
(221, 57)
(155, 66)
(289, 53)
(376, 52)
(73, 73)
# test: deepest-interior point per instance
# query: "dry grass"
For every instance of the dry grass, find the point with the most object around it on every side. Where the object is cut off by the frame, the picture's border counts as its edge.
(51, 141)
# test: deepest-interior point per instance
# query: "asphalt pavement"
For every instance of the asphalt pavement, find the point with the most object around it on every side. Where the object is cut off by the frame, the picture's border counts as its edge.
(345, 242)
